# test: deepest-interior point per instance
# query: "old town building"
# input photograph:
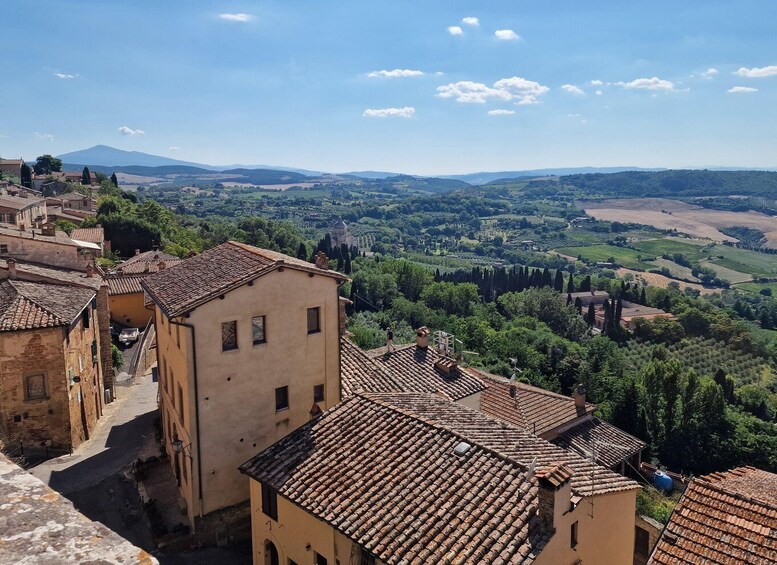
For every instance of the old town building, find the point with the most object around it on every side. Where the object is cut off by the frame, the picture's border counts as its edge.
(248, 351)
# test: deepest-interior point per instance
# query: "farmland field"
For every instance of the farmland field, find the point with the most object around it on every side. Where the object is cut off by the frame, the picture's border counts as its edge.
(622, 255)
(663, 213)
(756, 287)
(692, 249)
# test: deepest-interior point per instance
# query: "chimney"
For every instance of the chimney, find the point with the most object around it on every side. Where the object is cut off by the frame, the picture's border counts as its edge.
(161, 266)
(343, 301)
(322, 261)
(555, 494)
(89, 270)
(137, 252)
(422, 337)
(48, 229)
(580, 396)
(11, 268)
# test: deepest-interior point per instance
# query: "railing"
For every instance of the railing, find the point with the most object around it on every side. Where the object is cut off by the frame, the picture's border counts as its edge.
(138, 364)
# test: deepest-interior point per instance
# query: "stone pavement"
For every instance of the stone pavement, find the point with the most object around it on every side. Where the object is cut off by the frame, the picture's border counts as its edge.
(120, 435)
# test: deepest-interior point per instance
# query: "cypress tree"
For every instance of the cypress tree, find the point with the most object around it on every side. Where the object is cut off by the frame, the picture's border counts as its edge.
(579, 306)
(558, 284)
(643, 297)
(586, 286)
(546, 278)
(591, 316)
(302, 251)
(114, 180)
(86, 177)
(618, 311)
(26, 175)
(571, 283)
(569, 299)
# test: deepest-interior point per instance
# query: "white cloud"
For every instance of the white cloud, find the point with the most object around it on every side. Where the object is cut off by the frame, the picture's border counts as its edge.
(65, 76)
(241, 17)
(501, 112)
(654, 83)
(741, 89)
(572, 89)
(406, 112)
(124, 130)
(470, 21)
(757, 72)
(519, 89)
(173, 148)
(396, 73)
(455, 30)
(596, 82)
(709, 73)
(506, 35)
(598, 92)
(45, 136)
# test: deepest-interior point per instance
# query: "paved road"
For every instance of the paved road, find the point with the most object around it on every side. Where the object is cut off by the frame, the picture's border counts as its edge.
(122, 432)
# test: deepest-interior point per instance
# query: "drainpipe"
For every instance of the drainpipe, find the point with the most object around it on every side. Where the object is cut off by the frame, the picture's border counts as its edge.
(196, 411)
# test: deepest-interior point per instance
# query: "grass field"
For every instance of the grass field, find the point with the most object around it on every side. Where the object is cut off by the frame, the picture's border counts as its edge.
(693, 250)
(622, 255)
(744, 261)
(756, 287)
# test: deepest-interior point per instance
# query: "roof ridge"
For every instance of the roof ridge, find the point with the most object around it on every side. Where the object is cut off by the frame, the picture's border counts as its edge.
(717, 486)
(534, 388)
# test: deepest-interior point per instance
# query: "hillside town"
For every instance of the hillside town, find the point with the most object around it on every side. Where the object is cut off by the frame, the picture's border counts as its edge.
(259, 420)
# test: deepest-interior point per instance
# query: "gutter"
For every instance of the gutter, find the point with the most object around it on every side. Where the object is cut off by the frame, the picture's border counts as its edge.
(196, 410)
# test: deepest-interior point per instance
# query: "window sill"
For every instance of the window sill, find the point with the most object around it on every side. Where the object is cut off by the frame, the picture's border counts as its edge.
(260, 342)
(314, 332)
(281, 410)
(231, 349)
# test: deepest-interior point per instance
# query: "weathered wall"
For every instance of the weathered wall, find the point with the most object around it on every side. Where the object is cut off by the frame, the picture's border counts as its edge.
(25, 353)
(46, 252)
(605, 532)
(129, 310)
(472, 401)
(237, 388)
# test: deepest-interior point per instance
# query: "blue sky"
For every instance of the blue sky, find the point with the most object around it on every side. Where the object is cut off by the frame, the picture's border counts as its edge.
(468, 86)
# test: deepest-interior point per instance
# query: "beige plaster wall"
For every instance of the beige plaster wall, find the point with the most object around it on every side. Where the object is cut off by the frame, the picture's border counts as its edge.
(129, 309)
(45, 252)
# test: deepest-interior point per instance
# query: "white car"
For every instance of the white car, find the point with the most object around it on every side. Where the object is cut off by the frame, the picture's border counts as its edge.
(129, 335)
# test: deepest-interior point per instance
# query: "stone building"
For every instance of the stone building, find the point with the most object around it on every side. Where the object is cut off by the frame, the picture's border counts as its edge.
(248, 351)
(340, 234)
(51, 379)
(22, 211)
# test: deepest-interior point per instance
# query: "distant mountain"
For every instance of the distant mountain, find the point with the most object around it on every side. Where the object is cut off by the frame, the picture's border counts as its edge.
(371, 174)
(485, 177)
(112, 157)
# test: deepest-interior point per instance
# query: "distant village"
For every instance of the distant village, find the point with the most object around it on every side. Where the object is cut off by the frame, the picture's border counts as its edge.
(273, 426)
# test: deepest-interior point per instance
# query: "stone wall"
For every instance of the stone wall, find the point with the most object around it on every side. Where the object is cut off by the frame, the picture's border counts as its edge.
(104, 321)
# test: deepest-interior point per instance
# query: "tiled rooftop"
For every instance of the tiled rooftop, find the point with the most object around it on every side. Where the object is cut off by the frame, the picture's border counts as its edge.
(94, 235)
(18, 203)
(30, 305)
(203, 277)
(512, 442)
(414, 371)
(152, 256)
(389, 480)
(533, 409)
(118, 285)
(610, 444)
(43, 273)
(40, 526)
(58, 237)
(723, 519)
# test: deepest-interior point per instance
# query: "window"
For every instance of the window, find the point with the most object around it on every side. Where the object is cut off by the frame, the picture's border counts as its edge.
(3, 248)
(229, 336)
(291, 562)
(320, 559)
(257, 325)
(281, 398)
(85, 317)
(180, 403)
(35, 387)
(269, 501)
(314, 322)
(184, 471)
(573, 536)
(94, 352)
(318, 393)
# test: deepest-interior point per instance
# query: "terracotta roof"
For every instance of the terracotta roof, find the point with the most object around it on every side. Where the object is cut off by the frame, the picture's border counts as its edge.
(414, 371)
(18, 202)
(391, 481)
(610, 444)
(72, 195)
(153, 256)
(359, 373)
(534, 409)
(12, 162)
(145, 267)
(29, 305)
(513, 442)
(58, 237)
(93, 235)
(118, 285)
(203, 277)
(53, 275)
(724, 518)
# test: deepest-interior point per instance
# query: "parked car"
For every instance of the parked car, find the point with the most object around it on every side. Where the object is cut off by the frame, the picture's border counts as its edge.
(129, 335)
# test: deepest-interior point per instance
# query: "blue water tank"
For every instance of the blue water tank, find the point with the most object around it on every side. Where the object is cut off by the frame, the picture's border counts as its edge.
(663, 482)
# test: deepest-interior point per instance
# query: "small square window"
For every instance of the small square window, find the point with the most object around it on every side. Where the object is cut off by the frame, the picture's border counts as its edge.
(180, 404)
(257, 325)
(314, 320)
(320, 559)
(229, 336)
(281, 398)
(573, 535)
(3, 248)
(35, 387)
(318, 393)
